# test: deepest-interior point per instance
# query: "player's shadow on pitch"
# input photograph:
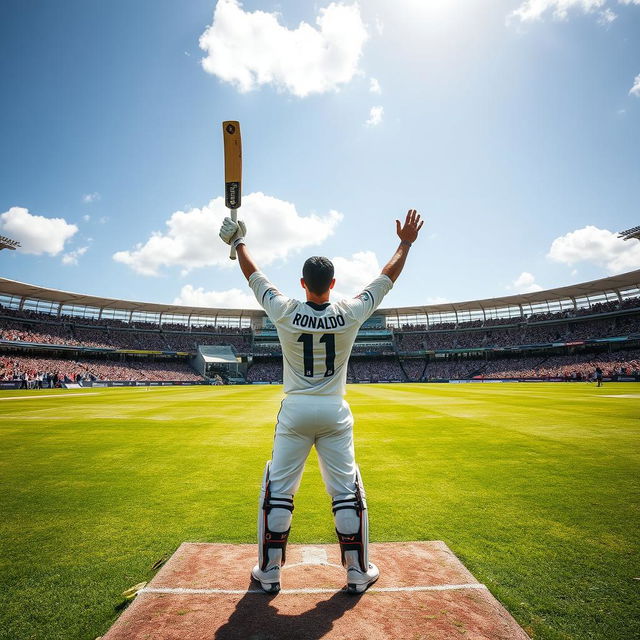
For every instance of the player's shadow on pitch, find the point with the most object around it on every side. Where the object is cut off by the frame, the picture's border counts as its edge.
(256, 617)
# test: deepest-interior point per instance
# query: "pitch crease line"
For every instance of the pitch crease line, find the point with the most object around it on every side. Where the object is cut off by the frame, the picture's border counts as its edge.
(187, 591)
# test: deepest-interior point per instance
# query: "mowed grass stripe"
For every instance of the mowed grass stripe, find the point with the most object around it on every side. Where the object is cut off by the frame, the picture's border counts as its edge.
(532, 485)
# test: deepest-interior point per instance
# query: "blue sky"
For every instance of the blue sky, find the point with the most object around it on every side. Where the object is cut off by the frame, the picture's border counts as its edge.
(512, 126)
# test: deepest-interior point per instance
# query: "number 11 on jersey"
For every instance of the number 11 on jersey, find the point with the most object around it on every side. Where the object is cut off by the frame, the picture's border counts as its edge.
(329, 341)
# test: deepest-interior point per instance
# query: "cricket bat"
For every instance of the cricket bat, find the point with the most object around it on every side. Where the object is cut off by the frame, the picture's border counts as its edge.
(232, 170)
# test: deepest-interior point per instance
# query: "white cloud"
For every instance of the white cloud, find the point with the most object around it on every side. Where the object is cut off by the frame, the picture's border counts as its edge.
(228, 299)
(252, 48)
(531, 10)
(88, 198)
(525, 283)
(606, 17)
(600, 247)
(71, 258)
(354, 273)
(104, 220)
(635, 89)
(379, 26)
(374, 86)
(190, 240)
(86, 217)
(36, 234)
(375, 116)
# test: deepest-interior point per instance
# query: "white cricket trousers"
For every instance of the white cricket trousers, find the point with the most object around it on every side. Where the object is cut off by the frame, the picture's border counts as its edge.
(307, 420)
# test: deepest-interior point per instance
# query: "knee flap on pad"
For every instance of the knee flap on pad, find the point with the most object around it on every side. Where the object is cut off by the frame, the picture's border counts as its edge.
(347, 521)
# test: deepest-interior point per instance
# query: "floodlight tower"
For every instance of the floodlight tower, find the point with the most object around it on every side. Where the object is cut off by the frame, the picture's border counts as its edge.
(8, 243)
(634, 232)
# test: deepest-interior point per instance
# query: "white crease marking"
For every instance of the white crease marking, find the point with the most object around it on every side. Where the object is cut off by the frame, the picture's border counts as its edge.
(187, 591)
(314, 555)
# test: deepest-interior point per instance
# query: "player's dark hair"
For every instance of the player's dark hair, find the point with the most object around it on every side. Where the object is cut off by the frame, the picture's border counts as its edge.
(318, 274)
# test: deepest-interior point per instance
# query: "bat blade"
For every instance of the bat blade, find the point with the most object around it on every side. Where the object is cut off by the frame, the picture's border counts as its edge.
(232, 163)
(232, 169)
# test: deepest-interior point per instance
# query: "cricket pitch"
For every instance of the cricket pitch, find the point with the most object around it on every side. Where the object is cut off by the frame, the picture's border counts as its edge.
(204, 592)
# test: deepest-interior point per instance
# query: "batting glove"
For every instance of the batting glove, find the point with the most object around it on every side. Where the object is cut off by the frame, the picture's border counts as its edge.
(231, 231)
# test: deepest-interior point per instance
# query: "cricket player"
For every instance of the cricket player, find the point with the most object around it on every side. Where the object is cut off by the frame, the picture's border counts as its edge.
(316, 338)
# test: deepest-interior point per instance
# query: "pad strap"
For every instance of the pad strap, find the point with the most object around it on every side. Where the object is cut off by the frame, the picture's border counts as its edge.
(277, 503)
(351, 541)
(273, 539)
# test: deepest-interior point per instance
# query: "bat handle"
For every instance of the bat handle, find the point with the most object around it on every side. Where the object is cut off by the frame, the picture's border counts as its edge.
(234, 217)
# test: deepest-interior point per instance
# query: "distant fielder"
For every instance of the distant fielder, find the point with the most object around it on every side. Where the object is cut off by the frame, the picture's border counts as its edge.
(316, 338)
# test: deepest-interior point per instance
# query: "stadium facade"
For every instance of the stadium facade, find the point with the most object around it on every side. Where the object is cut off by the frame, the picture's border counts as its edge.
(538, 335)
(19, 295)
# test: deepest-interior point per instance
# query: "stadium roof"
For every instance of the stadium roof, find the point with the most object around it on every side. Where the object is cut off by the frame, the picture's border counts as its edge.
(34, 292)
(217, 354)
(622, 282)
(617, 283)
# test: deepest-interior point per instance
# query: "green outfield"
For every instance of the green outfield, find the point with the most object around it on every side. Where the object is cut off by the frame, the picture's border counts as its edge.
(533, 486)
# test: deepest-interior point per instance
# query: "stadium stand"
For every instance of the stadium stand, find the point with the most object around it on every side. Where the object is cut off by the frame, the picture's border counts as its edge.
(570, 367)
(561, 334)
(62, 370)
(265, 370)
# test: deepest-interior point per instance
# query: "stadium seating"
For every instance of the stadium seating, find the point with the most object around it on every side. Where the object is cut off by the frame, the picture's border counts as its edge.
(59, 370)
(541, 345)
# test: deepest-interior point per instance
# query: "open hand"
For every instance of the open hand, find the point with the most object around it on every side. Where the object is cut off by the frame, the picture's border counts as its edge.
(412, 225)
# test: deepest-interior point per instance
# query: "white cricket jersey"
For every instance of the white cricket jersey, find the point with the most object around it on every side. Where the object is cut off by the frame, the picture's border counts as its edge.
(317, 339)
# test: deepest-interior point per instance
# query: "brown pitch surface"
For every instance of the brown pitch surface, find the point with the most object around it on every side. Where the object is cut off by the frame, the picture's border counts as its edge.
(382, 613)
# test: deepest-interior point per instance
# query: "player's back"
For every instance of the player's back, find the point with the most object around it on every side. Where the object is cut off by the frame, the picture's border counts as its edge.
(317, 339)
(316, 344)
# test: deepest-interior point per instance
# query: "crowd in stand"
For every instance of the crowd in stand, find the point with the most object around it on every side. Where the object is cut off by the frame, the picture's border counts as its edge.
(111, 337)
(569, 367)
(413, 368)
(269, 370)
(40, 333)
(375, 369)
(43, 328)
(55, 371)
(189, 341)
(51, 372)
(266, 347)
(451, 370)
(524, 334)
(574, 367)
(104, 333)
(372, 347)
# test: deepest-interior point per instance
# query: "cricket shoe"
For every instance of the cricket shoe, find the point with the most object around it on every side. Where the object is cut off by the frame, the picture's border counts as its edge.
(359, 581)
(268, 580)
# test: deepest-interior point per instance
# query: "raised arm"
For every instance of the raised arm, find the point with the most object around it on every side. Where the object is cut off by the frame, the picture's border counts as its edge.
(407, 234)
(247, 264)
